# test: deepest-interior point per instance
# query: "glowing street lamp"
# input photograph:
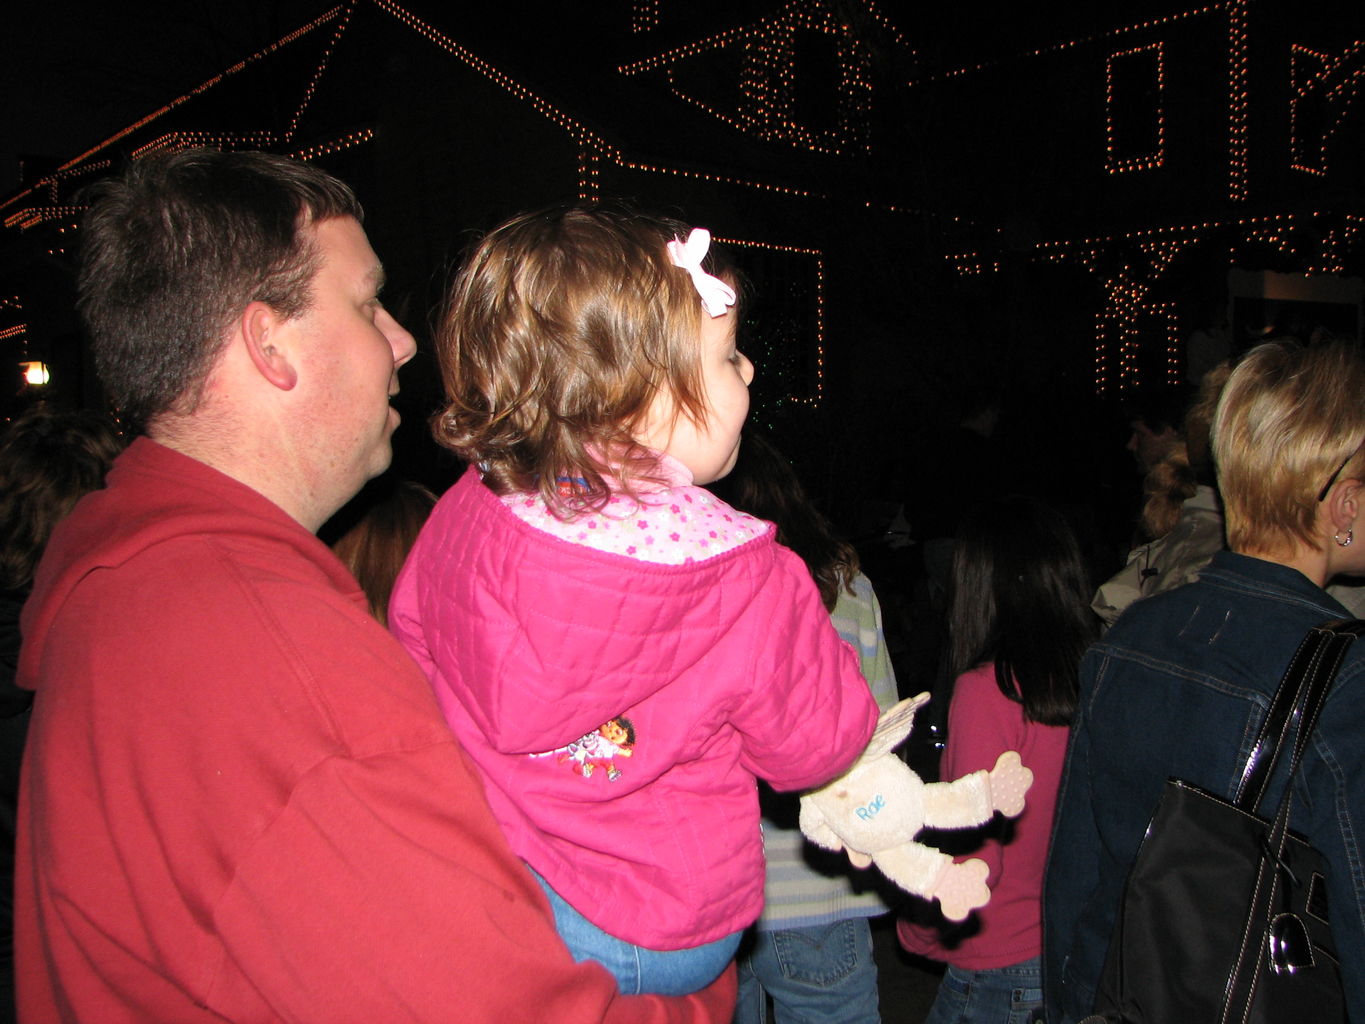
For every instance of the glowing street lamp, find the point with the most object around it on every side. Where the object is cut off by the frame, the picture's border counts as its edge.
(36, 373)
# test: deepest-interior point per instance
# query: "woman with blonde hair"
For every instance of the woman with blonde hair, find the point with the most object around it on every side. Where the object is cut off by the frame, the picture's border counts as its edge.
(1179, 686)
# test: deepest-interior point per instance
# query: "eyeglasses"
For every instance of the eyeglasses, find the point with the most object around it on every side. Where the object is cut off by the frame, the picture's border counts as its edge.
(1322, 494)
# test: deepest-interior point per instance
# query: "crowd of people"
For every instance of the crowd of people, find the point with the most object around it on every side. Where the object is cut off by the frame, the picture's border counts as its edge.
(533, 750)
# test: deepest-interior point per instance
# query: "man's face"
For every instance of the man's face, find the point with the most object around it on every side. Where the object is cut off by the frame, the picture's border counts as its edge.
(350, 352)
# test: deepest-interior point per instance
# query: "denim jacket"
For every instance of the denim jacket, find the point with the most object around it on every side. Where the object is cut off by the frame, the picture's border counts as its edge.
(1177, 689)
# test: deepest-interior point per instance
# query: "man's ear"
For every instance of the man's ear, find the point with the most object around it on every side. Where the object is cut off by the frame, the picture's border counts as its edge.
(263, 332)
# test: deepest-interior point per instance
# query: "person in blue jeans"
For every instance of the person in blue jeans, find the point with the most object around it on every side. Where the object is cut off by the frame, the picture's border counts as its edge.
(817, 973)
(1000, 995)
(811, 951)
(1019, 620)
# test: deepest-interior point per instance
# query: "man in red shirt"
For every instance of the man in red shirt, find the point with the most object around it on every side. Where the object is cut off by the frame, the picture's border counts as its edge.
(240, 801)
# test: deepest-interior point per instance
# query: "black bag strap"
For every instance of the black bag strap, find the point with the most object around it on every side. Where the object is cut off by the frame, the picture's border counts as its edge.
(1294, 708)
(1304, 688)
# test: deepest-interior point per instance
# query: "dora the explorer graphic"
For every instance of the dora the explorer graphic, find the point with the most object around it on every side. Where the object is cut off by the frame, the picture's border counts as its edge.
(599, 749)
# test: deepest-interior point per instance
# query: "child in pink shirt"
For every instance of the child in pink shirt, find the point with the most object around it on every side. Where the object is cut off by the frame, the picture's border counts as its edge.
(1019, 620)
(619, 651)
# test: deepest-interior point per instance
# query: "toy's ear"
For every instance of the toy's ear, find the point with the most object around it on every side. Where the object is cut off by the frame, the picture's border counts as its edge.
(893, 727)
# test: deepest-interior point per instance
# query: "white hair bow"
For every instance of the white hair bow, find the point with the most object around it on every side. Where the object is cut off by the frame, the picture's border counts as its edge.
(715, 294)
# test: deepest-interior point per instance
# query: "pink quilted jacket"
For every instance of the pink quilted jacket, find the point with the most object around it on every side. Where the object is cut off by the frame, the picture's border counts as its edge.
(620, 709)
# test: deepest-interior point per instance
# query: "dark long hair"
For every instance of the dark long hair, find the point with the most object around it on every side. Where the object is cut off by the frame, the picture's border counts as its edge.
(49, 459)
(375, 547)
(764, 484)
(1020, 598)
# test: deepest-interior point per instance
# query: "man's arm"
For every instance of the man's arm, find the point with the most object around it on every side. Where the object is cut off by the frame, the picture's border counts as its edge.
(244, 799)
(372, 897)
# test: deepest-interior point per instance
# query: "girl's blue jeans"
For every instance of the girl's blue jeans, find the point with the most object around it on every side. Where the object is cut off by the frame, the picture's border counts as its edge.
(1000, 995)
(638, 970)
(823, 974)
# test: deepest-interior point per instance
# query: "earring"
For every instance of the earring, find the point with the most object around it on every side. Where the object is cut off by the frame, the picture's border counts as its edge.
(1350, 536)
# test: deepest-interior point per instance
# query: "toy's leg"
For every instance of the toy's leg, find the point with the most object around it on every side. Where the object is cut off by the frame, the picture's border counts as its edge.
(962, 888)
(959, 888)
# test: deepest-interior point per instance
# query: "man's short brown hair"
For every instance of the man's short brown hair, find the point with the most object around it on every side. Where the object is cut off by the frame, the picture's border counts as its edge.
(177, 247)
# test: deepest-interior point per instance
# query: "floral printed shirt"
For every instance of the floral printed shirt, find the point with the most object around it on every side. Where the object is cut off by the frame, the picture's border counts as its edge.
(673, 525)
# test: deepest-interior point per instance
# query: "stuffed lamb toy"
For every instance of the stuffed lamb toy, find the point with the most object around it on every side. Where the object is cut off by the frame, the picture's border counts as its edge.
(876, 808)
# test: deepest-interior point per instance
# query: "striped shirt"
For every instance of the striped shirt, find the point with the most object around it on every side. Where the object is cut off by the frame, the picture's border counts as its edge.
(795, 894)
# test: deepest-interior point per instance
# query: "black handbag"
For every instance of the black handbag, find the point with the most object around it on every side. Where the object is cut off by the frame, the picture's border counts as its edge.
(1224, 918)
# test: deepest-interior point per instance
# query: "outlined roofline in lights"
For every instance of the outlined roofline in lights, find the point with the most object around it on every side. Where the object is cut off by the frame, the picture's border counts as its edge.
(176, 141)
(78, 163)
(239, 66)
(342, 24)
(576, 129)
(1072, 44)
(590, 142)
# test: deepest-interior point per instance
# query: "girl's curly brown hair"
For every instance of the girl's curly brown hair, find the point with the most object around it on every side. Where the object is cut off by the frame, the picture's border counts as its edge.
(558, 333)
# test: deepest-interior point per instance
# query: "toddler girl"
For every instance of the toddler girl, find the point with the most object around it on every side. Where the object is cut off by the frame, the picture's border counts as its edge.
(619, 651)
(1019, 620)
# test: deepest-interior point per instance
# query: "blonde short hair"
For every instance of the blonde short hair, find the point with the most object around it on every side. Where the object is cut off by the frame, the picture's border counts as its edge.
(1167, 485)
(559, 331)
(1289, 417)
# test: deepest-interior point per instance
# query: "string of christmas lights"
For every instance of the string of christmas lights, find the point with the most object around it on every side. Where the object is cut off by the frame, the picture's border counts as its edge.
(355, 138)
(589, 174)
(1072, 44)
(768, 86)
(644, 16)
(972, 263)
(768, 77)
(204, 87)
(1113, 163)
(1172, 342)
(33, 216)
(576, 130)
(1101, 353)
(342, 24)
(1239, 105)
(1334, 83)
(177, 141)
(1162, 253)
